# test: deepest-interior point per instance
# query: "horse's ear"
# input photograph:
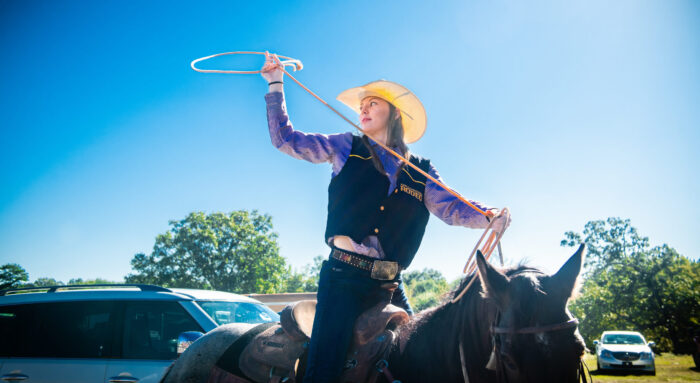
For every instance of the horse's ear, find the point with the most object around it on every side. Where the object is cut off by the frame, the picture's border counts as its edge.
(495, 283)
(564, 281)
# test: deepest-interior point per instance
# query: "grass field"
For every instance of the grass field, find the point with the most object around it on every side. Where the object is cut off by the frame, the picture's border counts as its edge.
(669, 368)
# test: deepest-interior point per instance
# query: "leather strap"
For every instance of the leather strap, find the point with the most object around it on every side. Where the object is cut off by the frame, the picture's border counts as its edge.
(378, 269)
(537, 329)
(229, 360)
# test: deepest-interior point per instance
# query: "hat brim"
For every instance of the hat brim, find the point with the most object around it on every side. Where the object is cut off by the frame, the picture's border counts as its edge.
(413, 114)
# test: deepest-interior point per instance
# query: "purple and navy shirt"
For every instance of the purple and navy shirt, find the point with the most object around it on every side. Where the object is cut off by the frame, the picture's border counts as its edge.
(335, 149)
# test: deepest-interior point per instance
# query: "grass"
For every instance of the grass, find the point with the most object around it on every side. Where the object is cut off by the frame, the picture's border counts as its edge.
(669, 368)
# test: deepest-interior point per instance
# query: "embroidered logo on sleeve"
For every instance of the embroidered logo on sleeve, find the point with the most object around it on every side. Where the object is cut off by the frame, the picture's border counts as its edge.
(412, 192)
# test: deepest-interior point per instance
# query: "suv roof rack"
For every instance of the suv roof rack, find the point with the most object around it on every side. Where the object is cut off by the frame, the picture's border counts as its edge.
(53, 289)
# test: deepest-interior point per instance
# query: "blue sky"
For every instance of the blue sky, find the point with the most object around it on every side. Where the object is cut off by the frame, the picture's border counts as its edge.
(563, 111)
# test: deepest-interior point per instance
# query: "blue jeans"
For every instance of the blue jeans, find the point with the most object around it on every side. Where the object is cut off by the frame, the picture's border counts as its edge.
(400, 299)
(344, 292)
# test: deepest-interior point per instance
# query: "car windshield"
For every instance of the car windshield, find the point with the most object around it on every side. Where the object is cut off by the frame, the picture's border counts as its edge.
(238, 312)
(623, 339)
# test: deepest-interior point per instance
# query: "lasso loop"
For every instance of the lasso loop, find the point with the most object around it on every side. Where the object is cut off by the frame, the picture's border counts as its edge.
(294, 63)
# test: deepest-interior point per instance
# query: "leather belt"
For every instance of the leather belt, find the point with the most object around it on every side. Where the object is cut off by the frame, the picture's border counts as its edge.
(378, 269)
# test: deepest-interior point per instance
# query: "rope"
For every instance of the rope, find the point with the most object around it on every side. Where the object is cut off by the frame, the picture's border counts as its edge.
(289, 62)
(494, 239)
(298, 66)
(487, 250)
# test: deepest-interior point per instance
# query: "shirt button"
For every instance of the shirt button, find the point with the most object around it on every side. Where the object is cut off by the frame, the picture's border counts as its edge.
(376, 231)
(381, 208)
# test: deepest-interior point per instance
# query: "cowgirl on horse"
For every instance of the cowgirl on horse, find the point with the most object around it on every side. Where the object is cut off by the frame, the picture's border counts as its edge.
(378, 207)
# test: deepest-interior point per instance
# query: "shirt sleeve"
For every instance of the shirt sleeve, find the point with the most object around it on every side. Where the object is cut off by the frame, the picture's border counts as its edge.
(312, 147)
(449, 208)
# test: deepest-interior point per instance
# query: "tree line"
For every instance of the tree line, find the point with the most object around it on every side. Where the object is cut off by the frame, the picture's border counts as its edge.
(630, 285)
(235, 252)
(627, 284)
(13, 275)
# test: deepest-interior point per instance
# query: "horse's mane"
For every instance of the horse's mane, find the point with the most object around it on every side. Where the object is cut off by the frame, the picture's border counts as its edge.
(474, 290)
(472, 311)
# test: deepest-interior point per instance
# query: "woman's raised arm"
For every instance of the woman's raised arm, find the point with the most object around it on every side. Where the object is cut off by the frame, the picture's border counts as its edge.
(312, 147)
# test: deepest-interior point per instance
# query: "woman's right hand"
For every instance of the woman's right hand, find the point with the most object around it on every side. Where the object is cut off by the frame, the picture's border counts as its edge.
(271, 70)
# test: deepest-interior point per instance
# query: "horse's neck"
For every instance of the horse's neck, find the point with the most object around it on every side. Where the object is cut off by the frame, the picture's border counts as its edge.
(429, 351)
(432, 341)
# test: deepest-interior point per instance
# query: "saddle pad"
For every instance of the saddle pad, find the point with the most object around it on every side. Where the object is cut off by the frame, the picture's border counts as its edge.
(272, 352)
(229, 359)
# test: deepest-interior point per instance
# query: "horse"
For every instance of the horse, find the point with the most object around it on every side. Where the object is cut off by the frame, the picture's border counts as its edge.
(512, 326)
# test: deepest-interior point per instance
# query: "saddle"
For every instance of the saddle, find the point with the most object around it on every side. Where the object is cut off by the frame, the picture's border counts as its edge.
(276, 353)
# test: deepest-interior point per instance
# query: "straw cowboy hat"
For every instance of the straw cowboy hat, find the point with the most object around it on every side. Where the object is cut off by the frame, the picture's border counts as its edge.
(412, 110)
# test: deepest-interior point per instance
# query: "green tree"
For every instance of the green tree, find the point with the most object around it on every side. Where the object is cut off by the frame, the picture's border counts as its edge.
(12, 275)
(96, 281)
(304, 281)
(608, 242)
(235, 252)
(424, 288)
(43, 282)
(632, 286)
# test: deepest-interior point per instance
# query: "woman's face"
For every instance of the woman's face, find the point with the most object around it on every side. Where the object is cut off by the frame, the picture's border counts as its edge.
(374, 116)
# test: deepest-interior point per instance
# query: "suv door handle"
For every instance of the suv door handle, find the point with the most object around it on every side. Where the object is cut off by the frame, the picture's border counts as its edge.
(123, 379)
(14, 377)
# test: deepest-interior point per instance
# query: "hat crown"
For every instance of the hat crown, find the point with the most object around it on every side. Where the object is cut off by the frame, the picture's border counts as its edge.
(412, 111)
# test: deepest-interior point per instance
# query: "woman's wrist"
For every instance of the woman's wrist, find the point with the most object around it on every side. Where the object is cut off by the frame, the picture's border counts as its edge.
(276, 86)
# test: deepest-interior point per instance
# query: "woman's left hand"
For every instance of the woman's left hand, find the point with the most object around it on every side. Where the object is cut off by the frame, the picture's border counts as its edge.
(501, 220)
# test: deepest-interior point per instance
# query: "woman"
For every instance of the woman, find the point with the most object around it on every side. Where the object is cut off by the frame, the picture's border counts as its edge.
(377, 207)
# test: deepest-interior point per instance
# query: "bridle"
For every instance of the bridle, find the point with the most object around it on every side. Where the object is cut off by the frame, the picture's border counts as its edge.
(496, 362)
(571, 323)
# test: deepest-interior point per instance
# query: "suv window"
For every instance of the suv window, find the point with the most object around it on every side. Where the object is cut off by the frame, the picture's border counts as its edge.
(151, 329)
(15, 324)
(240, 312)
(58, 330)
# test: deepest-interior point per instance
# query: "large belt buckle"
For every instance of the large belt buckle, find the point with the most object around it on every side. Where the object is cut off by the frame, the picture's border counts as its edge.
(384, 270)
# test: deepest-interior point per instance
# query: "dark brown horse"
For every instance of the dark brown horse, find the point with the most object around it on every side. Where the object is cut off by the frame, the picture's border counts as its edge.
(516, 322)
(511, 326)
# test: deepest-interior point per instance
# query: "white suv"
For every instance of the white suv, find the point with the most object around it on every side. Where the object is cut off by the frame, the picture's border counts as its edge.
(108, 333)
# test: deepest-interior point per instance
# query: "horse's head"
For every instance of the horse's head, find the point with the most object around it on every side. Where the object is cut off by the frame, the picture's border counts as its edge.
(535, 337)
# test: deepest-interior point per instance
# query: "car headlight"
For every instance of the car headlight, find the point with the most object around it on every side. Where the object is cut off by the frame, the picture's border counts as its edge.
(645, 355)
(606, 354)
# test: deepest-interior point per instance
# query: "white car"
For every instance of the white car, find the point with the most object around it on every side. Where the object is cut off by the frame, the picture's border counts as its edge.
(624, 351)
(109, 333)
